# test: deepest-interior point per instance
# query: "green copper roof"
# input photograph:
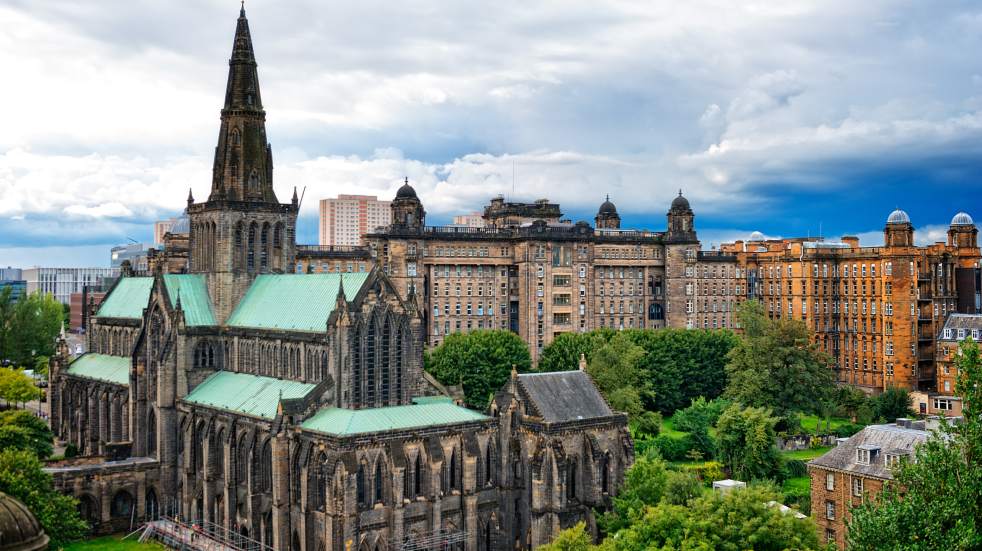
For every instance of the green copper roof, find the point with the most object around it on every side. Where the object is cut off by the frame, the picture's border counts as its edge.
(293, 302)
(127, 299)
(193, 290)
(432, 400)
(244, 393)
(346, 422)
(111, 369)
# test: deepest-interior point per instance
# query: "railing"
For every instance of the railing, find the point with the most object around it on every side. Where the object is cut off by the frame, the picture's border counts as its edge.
(331, 248)
(198, 536)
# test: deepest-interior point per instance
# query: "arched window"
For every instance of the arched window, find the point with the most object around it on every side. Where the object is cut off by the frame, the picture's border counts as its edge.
(489, 464)
(452, 471)
(242, 461)
(605, 473)
(378, 482)
(370, 360)
(253, 180)
(418, 476)
(238, 244)
(198, 436)
(151, 433)
(384, 363)
(122, 504)
(264, 248)
(265, 468)
(356, 367)
(360, 485)
(571, 480)
(151, 508)
(251, 251)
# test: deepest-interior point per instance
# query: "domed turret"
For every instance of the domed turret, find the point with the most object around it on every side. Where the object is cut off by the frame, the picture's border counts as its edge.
(681, 222)
(962, 219)
(19, 529)
(756, 236)
(898, 217)
(607, 217)
(407, 210)
(680, 203)
(406, 191)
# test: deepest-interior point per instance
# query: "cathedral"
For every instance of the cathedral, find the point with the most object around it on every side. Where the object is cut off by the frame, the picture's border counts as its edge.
(284, 410)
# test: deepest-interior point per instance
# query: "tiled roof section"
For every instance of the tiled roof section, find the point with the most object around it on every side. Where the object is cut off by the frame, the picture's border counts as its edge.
(564, 396)
(293, 302)
(346, 422)
(101, 367)
(890, 439)
(128, 298)
(967, 322)
(244, 393)
(193, 290)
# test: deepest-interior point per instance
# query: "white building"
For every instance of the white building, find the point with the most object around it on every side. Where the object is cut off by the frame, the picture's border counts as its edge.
(345, 219)
(62, 282)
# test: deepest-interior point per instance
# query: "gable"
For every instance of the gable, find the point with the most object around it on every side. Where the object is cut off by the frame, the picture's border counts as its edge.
(564, 396)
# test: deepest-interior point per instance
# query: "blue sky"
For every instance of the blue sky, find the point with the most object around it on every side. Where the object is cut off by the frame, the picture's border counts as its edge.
(782, 117)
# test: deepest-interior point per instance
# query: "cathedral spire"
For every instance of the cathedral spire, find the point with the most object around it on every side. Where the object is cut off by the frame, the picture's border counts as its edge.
(243, 168)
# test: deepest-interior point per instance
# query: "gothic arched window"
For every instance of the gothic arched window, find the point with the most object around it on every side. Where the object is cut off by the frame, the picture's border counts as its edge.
(378, 482)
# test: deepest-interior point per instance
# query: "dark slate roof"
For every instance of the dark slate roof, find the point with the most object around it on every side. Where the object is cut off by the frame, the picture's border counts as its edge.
(961, 321)
(890, 439)
(563, 396)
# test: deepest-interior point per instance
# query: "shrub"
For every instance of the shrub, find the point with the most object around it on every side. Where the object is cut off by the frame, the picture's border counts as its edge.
(671, 449)
(710, 472)
(800, 499)
(847, 430)
(681, 487)
(71, 451)
(794, 468)
(648, 424)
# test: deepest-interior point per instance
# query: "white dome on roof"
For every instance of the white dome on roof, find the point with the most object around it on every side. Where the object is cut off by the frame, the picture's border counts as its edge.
(757, 236)
(962, 219)
(898, 217)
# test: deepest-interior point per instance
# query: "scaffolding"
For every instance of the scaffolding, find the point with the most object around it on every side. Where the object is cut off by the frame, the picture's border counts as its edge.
(437, 540)
(197, 536)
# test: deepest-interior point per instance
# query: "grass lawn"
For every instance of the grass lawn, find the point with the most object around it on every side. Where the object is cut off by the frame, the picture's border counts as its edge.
(668, 429)
(810, 423)
(113, 543)
(806, 455)
(800, 484)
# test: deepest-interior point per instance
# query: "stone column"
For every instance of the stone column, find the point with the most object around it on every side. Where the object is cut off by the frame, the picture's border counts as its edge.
(116, 421)
(470, 522)
(280, 448)
(92, 447)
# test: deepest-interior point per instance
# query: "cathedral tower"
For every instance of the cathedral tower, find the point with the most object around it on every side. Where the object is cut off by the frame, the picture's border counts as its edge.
(241, 229)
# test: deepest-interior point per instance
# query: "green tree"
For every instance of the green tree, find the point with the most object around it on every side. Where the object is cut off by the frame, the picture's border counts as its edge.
(6, 313)
(480, 360)
(26, 432)
(734, 521)
(745, 442)
(854, 404)
(933, 502)
(774, 365)
(15, 387)
(648, 424)
(614, 368)
(32, 326)
(893, 403)
(21, 477)
(644, 485)
(570, 539)
(563, 353)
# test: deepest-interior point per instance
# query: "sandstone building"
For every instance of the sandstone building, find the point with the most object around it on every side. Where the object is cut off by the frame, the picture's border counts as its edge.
(290, 409)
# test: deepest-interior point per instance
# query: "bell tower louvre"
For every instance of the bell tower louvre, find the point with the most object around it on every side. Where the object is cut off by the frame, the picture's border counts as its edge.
(241, 229)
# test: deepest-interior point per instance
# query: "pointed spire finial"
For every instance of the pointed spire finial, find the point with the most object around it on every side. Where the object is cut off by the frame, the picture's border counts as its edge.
(407, 180)
(295, 198)
(607, 198)
(680, 192)
(242, 8)
(177, 305)
(190, 197)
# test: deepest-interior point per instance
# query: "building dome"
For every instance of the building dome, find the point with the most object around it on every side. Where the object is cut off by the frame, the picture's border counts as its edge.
(680, 203)
(898, 217)
(19, 530)
(962, 219)
(757, 236)
(183, 224)
(607, 207)
(406, 191)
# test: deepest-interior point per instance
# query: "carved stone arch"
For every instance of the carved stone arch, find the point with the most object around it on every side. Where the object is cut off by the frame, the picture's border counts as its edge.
(298, 462)
(243, 456)
(318, 477)
(263, 466)
(251, 241)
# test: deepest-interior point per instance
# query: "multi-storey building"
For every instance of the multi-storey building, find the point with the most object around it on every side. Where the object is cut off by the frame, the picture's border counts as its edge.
(162, 227)
(135, 253)
(346, 219)
(282, 410)
(875, 310)
(471, 220)
(855, 471)
(62, 282)
(957, 328)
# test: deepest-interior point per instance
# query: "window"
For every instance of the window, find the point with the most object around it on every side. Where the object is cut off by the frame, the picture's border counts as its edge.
(830, 510)
(830, 535)
(857, 487)
(561, 318)
(830, 481)
(892, 459)
(560, 280)
(942, 404)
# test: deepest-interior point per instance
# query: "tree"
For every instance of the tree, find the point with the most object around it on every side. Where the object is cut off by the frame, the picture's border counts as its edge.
(33, 323)
(20, 429)
(614, 368)
(774, 365)
(682, 364)
(745, 442)
(480, 360)
(934, 501)
(6, 311)
(15, 387)
(648, 424)
(570, 539)
(893, 403)
(21, 477)
(644, 485)
(854, 404)
(564, 352)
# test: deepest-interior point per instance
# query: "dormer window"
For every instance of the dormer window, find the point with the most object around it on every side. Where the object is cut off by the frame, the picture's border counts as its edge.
(947, 333)
(894, 459)
(865, 454)
(961, 334)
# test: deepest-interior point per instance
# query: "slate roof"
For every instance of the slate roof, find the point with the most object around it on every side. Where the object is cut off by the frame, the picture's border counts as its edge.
(891, 439)
(244, 393)
(293, 302)
(564, 396)
(127, 299)
(968, 322)
(101, 367)
(195, 302)
(346, 422)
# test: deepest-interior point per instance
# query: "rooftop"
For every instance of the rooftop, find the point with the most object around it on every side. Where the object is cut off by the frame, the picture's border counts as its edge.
(896, 438)
(564, 396)
(294, 302)
(965, 322)
(243, 393)
(195, 302)
(101, 367)
(127, 299)
(347, 422)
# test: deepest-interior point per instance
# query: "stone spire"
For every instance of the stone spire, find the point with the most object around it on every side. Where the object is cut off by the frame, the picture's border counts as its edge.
(243, 168)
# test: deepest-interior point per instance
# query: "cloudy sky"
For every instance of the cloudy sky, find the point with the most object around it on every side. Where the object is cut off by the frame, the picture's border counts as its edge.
(783, 117)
